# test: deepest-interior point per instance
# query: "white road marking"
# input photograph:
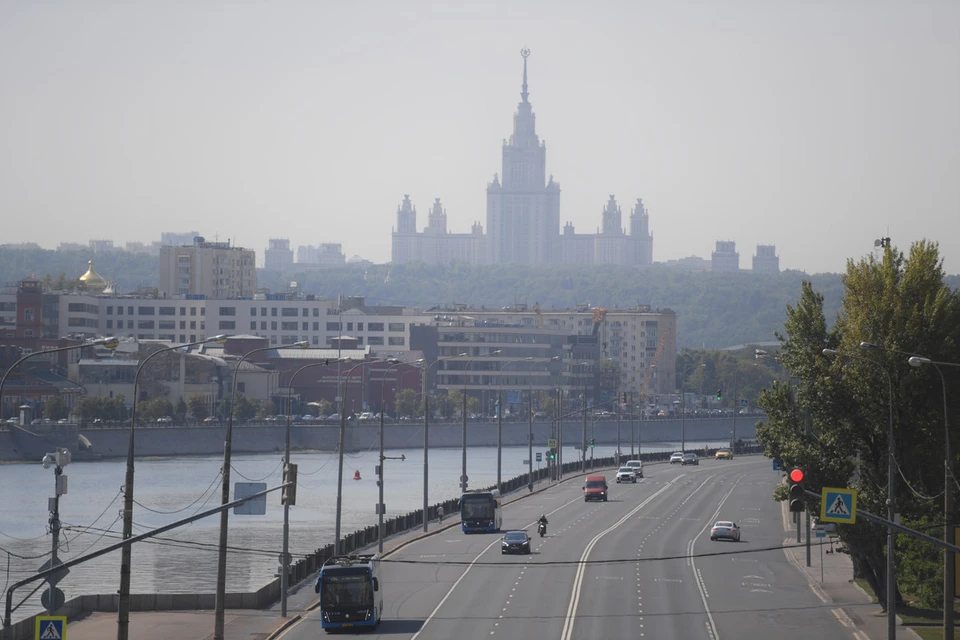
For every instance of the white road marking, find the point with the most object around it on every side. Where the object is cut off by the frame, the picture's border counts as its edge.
(470, 566)
(711, 625)
(567, 633)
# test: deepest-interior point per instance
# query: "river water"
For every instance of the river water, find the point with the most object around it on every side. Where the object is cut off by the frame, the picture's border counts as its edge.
(169, 489)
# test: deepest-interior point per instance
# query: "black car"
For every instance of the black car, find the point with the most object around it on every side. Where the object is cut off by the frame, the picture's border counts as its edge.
(515, 542)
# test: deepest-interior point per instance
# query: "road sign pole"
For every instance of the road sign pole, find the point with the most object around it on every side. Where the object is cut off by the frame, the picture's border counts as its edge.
(799, 539)
(808, 536)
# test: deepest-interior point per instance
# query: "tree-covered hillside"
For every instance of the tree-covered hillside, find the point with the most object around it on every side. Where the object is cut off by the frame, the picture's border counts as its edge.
(713, 310)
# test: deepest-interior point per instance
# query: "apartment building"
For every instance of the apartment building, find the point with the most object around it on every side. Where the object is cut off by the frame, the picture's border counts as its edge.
(209, 269)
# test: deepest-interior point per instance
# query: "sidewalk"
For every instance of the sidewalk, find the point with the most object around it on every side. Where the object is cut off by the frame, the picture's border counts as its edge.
(852, 606)
(247, 624)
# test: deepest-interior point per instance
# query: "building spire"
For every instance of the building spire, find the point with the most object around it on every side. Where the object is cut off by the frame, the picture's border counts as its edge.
(523, 92)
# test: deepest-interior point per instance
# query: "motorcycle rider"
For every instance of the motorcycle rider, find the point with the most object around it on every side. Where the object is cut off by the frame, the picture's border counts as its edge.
(543, 522)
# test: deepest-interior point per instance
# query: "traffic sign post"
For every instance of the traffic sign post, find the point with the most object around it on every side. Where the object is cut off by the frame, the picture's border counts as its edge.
(551, 443)
(50, 628)
(838, 505)
(539, 457)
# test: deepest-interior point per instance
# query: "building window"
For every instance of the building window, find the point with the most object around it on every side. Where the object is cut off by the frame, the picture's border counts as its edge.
(109, 311)
(242, 387)
(146, 311)
(167, 324)
(316, 312)
(28, 315)
(183, 325)
(193, 311)
(306, 326)
(375, 340)
(193, 325)
(253, 325)
(288, 326)
(183, 312)
(396, 326)
(349, 326)
(273, 325)
(359, 326)
(109, 324)
(263, 325)
(273, 311)
(227, 324)
(288, 312)
(396, 341)
(316, 326)
(228, 311)
(333, 326)
(145, 324)
(375, 326)
(253, 311)
(119, 311)
(306, 312)
(168, 311)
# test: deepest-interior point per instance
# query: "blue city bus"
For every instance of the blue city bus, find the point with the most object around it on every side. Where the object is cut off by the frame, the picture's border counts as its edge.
(481, 511)
(350, 595)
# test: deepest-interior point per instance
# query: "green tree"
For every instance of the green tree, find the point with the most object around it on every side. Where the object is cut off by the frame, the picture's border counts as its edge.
(407, 403)
(180, 411)
(244, 408)
(88, 408)
(55, 408)
(265, 409)
(834, 411)
(199, 407)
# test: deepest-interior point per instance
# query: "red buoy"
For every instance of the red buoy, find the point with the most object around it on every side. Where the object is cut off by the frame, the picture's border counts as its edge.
(356, 474)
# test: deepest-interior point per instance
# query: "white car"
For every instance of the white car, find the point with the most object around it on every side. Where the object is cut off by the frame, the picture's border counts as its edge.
(676, 457)
(726, 530)
(636, 465)
(626, 474)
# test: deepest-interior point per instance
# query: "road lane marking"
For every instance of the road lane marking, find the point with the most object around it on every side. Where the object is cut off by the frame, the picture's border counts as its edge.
(711, 625)
(567, 632)
(470, 566)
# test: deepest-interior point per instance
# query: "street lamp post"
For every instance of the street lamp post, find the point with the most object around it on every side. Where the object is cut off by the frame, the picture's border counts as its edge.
(123, 600)
(529, 430)
(683, 408)
(219, 604)
(59, 459)
(110, 343)
(285, 554)
(393, 363)
(949, 568)
(891, 538)
(426, 436)
(340, 445)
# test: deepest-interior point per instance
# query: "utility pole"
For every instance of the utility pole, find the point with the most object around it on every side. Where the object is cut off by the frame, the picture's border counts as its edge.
(583, 444)
(530, 440)
(53, 597)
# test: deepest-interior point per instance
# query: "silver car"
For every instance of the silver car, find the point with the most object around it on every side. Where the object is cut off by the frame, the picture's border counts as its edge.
(676, 457)
(726, 530)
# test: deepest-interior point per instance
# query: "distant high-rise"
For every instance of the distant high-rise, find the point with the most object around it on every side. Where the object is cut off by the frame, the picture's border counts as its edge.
(173, 239)
(210, 269)
(278, 256)
(766, 261)
(523, 216)
(725, 259)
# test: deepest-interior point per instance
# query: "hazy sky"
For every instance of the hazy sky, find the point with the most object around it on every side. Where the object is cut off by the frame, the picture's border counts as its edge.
(815, 126)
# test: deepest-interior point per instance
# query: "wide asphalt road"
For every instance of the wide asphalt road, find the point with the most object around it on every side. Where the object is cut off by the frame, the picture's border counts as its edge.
(640, 565)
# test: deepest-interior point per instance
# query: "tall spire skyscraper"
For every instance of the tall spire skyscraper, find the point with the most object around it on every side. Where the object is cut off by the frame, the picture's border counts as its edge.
(523, 211)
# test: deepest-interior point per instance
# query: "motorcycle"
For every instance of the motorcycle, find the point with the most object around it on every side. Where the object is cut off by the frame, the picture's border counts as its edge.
(542, 529)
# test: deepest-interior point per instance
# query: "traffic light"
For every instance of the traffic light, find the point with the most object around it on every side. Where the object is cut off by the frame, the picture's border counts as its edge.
(591, 443)
(796, 490)
(623, 398)
(289, 494)
(551, 454)
(719, 395)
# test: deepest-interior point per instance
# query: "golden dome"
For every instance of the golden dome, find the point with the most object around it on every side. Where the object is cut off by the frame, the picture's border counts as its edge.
(93, 280)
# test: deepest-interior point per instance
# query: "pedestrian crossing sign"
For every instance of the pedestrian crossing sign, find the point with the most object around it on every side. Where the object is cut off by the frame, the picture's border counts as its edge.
(838, 505)
(51, 628)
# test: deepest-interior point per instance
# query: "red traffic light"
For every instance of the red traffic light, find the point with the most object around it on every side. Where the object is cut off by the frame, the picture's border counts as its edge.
(797, 475)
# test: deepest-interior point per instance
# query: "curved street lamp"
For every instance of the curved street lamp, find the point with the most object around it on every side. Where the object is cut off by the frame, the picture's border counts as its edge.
(343, 429)
(949, 568)
(123, 603)
(891, 538)
(285, 557)
(530, 426)
(426, 435)
(683, 406)
(393, 363)
(110, 343)
(225, 494)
